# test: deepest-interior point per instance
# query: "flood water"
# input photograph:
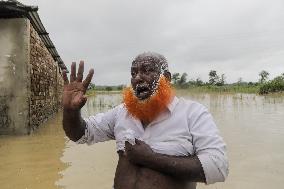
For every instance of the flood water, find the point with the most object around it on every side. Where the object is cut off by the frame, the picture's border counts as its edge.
(252, 126)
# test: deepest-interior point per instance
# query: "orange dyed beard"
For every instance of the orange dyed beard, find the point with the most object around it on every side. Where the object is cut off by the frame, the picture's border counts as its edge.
(147, 110)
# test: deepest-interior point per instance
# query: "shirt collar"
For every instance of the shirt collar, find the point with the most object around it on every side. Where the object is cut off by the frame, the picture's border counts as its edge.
(171, 106)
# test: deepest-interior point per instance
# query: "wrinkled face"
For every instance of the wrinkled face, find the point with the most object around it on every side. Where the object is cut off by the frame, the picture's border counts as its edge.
(145, 76)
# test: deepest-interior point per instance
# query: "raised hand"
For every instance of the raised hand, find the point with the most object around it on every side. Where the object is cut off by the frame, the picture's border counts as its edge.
(74, 91)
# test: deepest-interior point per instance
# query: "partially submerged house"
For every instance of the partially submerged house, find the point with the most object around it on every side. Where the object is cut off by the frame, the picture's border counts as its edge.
(30, 70)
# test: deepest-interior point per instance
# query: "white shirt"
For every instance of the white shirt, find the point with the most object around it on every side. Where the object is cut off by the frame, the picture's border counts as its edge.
(185, 128)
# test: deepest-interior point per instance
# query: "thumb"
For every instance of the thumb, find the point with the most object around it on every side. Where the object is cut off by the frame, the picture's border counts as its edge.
(127, 145)
(137, 141)
(83, 100)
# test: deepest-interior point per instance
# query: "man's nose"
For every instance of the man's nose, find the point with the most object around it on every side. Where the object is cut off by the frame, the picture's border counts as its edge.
(138, 77)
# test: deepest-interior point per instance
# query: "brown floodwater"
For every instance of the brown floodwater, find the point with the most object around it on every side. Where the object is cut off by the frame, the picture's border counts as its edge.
(252, 126)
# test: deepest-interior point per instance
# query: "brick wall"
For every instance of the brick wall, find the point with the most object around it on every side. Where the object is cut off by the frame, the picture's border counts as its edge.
(45, 82)
(4, 116)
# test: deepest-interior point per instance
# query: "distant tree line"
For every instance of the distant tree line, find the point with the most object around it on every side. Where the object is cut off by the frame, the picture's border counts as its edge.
(180, 80)
(214, 79)
(216, 82)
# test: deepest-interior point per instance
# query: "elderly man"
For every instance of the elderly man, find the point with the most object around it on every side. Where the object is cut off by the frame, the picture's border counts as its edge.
(163, 142)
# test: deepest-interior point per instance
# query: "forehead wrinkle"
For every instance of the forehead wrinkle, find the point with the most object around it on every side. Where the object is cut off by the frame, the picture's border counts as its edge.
(152, 57)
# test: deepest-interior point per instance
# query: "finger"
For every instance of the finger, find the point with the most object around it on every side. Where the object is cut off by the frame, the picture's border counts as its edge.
(84, 97)
(127, 146)
(73, 72)
(137, 141)
(83, 101)
(88, 79)
(65, 78)
(80, 71)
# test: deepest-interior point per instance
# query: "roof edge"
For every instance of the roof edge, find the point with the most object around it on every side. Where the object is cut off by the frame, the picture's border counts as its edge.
(15, 9)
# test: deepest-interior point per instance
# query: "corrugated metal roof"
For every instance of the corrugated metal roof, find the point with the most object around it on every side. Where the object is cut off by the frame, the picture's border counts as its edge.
(15, 9)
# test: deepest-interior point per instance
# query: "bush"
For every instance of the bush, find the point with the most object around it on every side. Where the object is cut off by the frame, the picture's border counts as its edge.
(108, 88)
(275, 85)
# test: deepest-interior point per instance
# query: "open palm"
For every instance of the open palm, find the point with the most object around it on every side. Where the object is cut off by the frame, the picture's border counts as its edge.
(74, 91)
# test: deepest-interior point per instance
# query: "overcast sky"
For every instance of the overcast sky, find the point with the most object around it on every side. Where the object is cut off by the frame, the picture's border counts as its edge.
(236, 37)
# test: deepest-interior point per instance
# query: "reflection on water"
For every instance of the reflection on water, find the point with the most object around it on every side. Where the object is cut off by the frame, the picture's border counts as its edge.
(33, 161)
(251, 125)
(91, 166)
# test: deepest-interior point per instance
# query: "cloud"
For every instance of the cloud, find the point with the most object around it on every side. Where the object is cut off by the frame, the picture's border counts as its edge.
(236, 37)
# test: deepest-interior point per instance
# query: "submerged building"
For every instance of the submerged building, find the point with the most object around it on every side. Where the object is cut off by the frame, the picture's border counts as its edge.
(30, 70)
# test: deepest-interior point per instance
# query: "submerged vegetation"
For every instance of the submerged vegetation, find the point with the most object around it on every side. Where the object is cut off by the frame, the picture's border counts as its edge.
(228, 88)
(104, 89)
(216, 83)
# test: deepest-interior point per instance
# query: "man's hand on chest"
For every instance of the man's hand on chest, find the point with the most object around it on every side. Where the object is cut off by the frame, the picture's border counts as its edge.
(139, 153)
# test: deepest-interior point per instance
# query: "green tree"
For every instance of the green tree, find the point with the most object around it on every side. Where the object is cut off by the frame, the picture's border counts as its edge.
(240, 81)
(182, 80)
(263, 76)
(221, 80)
(108, 88)
(275, 85)
(175, 78)
(213, 77)
(120, 87)
(199, 82)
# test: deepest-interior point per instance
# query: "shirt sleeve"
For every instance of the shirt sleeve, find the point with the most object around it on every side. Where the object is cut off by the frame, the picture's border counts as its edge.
(100, 127)
(209, 145)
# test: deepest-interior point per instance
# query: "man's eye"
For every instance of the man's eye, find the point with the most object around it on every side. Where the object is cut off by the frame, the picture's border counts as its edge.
(133, 74)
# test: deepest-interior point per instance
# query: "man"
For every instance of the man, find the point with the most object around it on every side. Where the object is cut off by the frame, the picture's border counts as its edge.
(163, 142)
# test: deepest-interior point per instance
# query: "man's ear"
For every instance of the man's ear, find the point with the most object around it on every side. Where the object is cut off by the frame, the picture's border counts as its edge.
(168, 75)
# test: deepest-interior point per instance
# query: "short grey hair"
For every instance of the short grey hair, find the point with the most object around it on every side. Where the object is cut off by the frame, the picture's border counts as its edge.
(153, 57)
